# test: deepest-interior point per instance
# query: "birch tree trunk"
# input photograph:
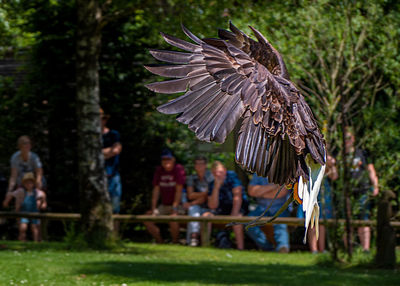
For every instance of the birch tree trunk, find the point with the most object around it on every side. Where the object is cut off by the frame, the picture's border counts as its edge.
(94, 198)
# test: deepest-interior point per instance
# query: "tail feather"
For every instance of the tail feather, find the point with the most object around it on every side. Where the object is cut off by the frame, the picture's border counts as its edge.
(300, 188)
(310, 201)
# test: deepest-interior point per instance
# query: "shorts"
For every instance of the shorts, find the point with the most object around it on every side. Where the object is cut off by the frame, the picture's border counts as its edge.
(364, 205)
(168, 210)
(225, 210)
(30, 220)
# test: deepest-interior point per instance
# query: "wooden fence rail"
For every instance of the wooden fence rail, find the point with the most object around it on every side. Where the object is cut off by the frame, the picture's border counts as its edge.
(45, 217)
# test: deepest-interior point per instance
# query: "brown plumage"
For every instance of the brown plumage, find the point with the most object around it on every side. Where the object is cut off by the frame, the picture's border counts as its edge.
(233, 77)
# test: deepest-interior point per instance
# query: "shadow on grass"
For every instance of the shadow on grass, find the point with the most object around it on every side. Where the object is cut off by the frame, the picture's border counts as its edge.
(360, 261)
(62, 246)
(238, 273)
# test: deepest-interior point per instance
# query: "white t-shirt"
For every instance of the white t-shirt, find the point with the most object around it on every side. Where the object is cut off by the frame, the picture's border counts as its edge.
(22, 166)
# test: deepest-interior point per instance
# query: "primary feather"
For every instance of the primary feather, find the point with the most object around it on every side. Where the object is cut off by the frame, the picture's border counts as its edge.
(233, 77)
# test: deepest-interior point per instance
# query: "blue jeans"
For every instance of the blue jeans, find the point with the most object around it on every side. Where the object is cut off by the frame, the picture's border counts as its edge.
(115, 191)
(194, 226)
(281, 234)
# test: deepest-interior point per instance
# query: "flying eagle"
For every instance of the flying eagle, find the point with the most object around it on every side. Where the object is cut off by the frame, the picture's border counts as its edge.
(234, 79)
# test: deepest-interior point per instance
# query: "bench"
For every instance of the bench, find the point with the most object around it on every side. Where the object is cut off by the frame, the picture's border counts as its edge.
(45, 217)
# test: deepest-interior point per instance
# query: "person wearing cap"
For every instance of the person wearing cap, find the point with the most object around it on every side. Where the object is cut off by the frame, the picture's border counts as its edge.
(27, 199)
(168, 182)
(22, 162)
(111, 149)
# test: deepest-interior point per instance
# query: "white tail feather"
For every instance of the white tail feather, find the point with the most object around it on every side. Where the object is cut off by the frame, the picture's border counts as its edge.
(316, 210)
(300, 188)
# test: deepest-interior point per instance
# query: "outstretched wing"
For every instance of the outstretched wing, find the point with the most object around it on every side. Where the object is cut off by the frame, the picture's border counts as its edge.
(224, 79)
(212, 103)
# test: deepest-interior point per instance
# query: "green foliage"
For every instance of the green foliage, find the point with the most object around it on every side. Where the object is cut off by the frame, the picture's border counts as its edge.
(74, 238)
(13, 33)
(331, 48)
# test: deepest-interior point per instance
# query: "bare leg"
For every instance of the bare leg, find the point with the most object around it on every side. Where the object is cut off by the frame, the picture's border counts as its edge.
(317, 245)
(22, 231)
(321, 239)
(364, 232)
(154, 231)
(345, 240)
(238, 230)
(35, 232)
(174, 229)
(312, 240)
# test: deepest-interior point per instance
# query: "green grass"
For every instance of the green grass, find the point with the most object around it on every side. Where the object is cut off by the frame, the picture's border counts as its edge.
(147, 264)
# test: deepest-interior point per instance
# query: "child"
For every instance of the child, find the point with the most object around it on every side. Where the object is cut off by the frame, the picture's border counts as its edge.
(27, 199)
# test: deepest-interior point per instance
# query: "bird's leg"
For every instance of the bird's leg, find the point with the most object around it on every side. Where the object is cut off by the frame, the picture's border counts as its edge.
(255, 221)
(281, 210)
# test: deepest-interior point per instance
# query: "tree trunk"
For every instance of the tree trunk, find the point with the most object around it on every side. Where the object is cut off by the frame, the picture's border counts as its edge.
(94, 198)
(346, 179)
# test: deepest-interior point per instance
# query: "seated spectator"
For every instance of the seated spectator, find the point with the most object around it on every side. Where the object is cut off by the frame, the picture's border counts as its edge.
(168, 182)
(197, 191)
(24, 161)
(27, 199)
(326, 211)
(225, 197)
(265, 192)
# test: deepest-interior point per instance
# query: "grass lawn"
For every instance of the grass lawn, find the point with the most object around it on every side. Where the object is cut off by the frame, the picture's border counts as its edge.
(147, 264)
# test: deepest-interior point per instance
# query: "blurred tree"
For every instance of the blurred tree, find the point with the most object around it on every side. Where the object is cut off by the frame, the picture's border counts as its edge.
(331, 48)
(341, 54)
(94, 198)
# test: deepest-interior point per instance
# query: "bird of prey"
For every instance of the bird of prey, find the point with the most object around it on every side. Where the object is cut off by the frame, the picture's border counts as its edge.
(234, 79)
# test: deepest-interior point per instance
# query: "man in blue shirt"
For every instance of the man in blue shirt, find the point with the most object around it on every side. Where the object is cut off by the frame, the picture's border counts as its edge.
(111, 149)
(264, 192)
(197, 191)
(225, 197)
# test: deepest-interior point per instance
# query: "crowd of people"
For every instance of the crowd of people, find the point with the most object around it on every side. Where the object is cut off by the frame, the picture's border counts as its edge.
(206, 192)
(220, 192)
(27, 185)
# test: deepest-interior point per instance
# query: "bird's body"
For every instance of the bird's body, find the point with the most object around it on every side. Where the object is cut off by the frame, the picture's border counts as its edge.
(233, 78)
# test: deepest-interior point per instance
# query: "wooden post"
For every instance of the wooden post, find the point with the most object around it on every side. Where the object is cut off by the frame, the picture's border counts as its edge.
(43, 229)
(386, 236)
(205, 235)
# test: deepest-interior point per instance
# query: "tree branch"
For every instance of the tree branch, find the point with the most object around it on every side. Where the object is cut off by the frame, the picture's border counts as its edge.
(116, 15)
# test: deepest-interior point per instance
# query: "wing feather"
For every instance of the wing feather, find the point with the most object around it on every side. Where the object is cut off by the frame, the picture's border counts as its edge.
(188, 100)
(198, 105)
(234, 76)
(176, 85)
(174, 57)
(176, 71)
(179, 43)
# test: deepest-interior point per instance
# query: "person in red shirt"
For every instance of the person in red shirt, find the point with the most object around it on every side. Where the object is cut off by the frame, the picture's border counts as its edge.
(168, 182)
